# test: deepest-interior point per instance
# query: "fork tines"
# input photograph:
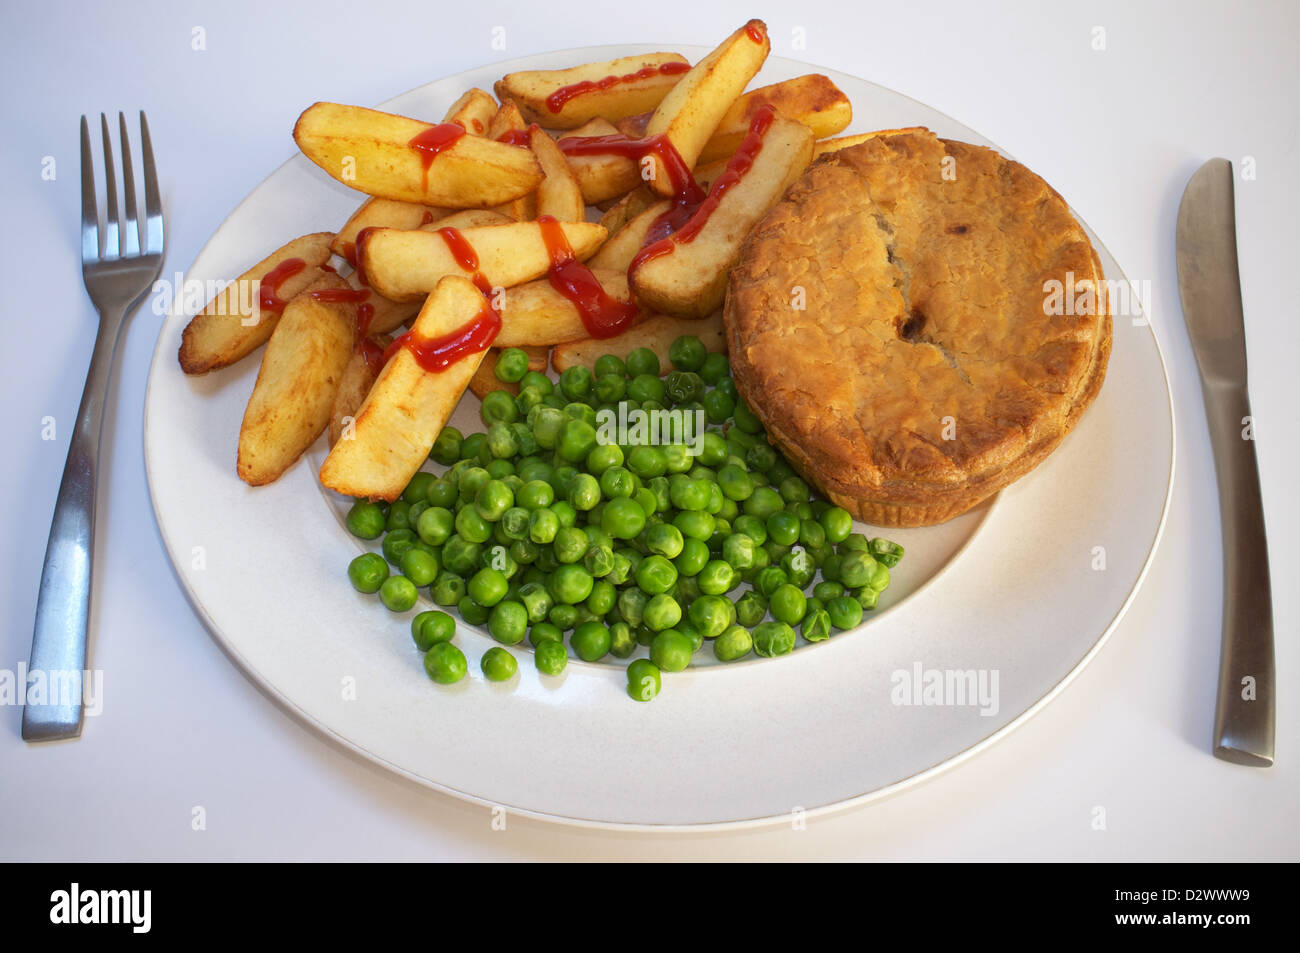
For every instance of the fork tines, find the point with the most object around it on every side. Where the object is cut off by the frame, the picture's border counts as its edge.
(124, 236)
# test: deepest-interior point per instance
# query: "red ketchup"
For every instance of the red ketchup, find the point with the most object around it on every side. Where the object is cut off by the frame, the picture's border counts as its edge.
(357, 296)
(352, 251)
(432, 141)
(753, 32)
(438, 354)
(268, 296)
(517, 137)
(679, 176)
(680, 224)
(556, 101)
(602, 316)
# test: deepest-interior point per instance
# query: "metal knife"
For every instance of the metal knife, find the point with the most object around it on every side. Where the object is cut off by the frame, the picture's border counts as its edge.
(1210, 288)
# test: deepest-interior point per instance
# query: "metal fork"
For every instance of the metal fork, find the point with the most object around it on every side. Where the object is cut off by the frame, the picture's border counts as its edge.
(117, 279)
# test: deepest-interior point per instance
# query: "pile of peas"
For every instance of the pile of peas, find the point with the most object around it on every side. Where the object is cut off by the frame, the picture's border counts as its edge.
(537, 529)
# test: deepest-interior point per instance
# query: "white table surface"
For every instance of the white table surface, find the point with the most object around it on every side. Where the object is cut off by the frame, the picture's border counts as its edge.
(1117, 131)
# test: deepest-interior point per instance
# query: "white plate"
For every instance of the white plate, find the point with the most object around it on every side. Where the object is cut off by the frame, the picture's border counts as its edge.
(1011, 589)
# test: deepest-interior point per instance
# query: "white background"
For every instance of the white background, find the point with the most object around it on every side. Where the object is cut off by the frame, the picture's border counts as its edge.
(1118, 132)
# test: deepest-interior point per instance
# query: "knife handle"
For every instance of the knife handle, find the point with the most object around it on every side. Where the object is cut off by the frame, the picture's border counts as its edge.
(1244, 716)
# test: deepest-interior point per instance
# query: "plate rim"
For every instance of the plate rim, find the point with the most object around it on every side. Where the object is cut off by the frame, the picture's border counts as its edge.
(319, 728)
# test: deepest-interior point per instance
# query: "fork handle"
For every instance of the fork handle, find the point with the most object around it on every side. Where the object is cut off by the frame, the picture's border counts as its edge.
(1244, 716)
(58, 659)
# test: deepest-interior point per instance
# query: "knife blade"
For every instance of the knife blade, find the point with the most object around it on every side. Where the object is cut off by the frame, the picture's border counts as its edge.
(1210, 288)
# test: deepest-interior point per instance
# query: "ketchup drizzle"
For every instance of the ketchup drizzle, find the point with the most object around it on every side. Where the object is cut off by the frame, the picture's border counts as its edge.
(602, 315)
(680, 224)
(680, 179)
(268, 293)
(438, 354)
(432, 141)
(557, 100)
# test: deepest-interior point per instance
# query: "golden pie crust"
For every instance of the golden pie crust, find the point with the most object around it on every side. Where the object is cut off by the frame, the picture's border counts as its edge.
(892, 323)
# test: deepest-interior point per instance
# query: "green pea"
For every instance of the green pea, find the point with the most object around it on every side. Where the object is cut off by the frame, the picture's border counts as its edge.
(366, 520)
(536, 379)
(682, 387)
(512, 365)
(499, 407)
(886, 553)
(622, 643)
(800, 566)
(693, 558)
(550, 657)
(716, 577)
(448, 588)
(472, 612)
(826, 590)
(646, 387)
(584, 492)
(662, 612)
(734, 643)
(783, 527)
(655, 575)
(816, 625)
(570, 544)
(751, 608)
(760, 457)
(854, 542)
(575, 382)
(696, 524)
(687, 494)
(610, 388)
(845, 612)
(772, 639)
(857, 569)
(687, 353)
(442, 493)
(718, 406)
(471, 526)
(543, 525)
(577, 439)
(622, 518)
(419, 567)
(714, 368)
(598, 560)
(445, 663)
(508, 621)
(647, 462)
(746, 420)
(866, 597)
(492, 500)
(671, 651)
(536, 599)
(487, 587)
(739, 550)
(398, 516)
(736, 484)
(631, 605)
(501, 441)
(769, 579)
(397, 543)
(398, 593)
(751, 526)
(418, 487)
(764, 502)
(642, 361)
(432, 627)
(543, 632)
(643, 681)
(571, 584)
(665, 540)
(591, 641)
(367, 572)
(435, 525)
(609, 364)
(446, 448)
(498, 664)
(788, 604)
(711, 614)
